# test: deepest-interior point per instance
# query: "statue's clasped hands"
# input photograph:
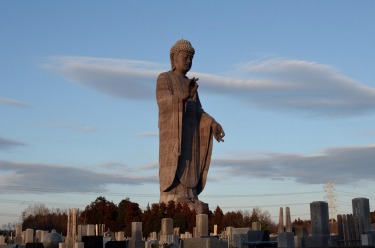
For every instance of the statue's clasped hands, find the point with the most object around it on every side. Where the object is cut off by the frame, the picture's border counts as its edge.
(192, 88)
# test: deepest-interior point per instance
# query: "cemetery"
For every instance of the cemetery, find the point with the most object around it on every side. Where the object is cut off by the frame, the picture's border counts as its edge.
(354, 230)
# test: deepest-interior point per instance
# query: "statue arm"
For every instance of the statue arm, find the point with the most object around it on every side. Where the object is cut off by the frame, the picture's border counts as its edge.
(217, 130)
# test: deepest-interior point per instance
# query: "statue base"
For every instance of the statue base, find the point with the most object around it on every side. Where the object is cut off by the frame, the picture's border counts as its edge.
(197, 205)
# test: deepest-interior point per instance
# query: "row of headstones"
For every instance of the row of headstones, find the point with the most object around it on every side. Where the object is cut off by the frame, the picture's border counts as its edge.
(353, 229)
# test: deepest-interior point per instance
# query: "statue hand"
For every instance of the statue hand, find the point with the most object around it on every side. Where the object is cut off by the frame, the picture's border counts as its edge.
(193, 86)
(192, 89)
(218, 132)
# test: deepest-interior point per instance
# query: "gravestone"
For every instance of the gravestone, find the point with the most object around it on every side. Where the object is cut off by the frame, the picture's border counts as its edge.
(232, 232)
(319, 225)
(319, 218)
(92, 241)
(154, 236)
(116, 244)
(300, 231)
(340, 230)
(299, 242)
(52, 240)
(368, 239)
(166, 226)
(79, 245)
(2, 240)
(38, 236)
(90, 230)
(256, 226)
(136, 239)
(34, 245)
(262, 235)
(188, 235)
(240, 240)
(361, 214)
(120, 236)
(285, 240)
(166, 234)
(43, 235)
(18, 239)
(29, 236)
(206, 242)
(202, 225)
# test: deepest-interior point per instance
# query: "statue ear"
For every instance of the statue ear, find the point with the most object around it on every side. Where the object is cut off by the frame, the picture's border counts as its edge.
(172, 62)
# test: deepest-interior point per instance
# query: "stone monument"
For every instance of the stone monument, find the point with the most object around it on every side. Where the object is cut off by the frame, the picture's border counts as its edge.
(52, 240)
(185, 132)
(319, 225)
(361, 214)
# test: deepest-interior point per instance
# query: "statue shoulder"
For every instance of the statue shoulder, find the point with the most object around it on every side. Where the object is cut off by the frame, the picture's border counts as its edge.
(164, 75)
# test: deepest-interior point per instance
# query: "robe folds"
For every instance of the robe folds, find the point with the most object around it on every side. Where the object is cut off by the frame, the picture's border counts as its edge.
(173, 144)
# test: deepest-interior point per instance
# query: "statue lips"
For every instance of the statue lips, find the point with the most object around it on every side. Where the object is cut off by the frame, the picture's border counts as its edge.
(188, 66)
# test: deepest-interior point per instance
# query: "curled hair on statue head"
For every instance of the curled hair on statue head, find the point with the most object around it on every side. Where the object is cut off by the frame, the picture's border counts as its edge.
(180, 45)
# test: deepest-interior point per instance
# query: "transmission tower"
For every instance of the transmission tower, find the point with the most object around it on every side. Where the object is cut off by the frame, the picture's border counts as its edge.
(329, 188)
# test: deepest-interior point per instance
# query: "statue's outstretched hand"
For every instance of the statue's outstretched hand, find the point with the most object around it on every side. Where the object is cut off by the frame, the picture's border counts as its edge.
(218, 132)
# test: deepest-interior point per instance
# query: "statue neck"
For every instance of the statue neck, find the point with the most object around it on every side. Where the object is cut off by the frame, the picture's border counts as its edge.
(180, 74)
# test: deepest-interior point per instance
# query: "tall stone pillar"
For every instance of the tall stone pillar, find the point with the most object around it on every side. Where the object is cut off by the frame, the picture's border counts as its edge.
(202, 225)
(18, 239)
(136, 239)
(166, 226)
(288, 220)
(319, 218)
(319, 224)
(361, 214)
(281, 221)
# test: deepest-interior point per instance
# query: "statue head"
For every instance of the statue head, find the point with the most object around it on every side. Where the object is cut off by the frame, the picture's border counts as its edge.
(180, 45)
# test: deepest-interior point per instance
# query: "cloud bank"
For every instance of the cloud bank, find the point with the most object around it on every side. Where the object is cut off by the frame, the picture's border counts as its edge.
(341, 165)
(48, 178)
(295, 85)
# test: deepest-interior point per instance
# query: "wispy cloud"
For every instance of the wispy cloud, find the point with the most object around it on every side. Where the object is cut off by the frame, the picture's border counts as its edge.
(13, 102)
(295, 85)
(49, 178)
(112, 165)
(148, 134)
(120, 78)
(7, 143)
(342, 165)
(151, 166)
(70, 125)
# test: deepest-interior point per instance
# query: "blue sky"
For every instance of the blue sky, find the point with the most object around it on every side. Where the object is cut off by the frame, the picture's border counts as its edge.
(291, 82)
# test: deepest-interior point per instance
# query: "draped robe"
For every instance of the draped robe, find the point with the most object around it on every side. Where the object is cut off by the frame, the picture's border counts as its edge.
(185, 136)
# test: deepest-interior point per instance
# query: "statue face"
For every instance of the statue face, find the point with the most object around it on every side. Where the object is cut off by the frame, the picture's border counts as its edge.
(183, 61)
